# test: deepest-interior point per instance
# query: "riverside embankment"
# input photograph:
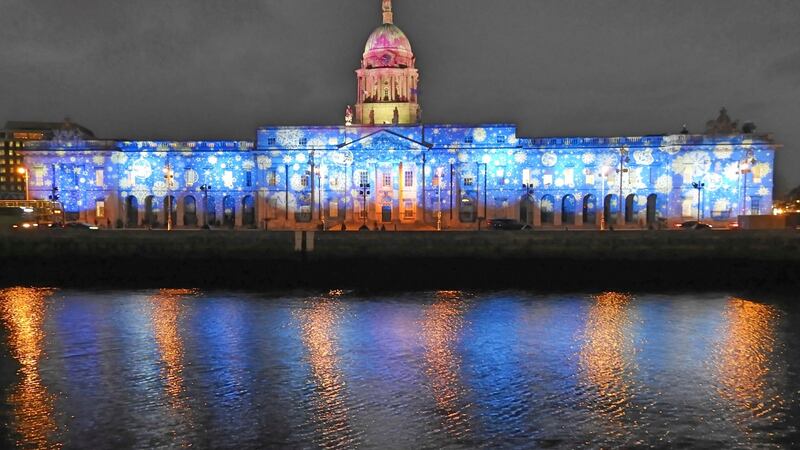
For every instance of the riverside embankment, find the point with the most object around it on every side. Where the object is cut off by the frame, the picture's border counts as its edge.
(548, 261)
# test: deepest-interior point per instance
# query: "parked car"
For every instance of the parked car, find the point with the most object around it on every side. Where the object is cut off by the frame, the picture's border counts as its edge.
(693, 225)
(506, 224)
(24, 226)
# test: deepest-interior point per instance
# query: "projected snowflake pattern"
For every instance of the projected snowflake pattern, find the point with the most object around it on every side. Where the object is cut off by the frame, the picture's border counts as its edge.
(480, 164)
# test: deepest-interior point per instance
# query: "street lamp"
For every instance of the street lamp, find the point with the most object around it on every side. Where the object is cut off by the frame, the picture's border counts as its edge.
(623, 158)
(699, 187)
(205, 189)
(604, 171)
(169, 176)
(745, 167)
(24, 171)
(439, 198)
(364, 192)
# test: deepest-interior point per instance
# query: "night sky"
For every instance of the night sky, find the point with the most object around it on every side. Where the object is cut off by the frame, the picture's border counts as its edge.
(194, 69)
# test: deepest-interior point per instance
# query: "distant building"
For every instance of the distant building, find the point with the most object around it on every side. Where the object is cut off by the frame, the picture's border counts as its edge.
(384, 166)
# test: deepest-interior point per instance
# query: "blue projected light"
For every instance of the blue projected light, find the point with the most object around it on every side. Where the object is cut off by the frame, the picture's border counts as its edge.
(417, 175)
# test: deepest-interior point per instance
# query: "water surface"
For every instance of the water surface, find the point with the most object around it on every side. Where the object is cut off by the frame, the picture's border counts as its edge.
(173, 368)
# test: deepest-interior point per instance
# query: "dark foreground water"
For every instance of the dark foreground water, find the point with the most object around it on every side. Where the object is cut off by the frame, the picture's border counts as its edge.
(175, 368)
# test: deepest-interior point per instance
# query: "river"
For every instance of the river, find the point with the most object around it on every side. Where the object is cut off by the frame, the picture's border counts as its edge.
(174, 368)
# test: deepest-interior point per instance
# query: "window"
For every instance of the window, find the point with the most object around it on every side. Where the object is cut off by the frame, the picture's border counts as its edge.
(387, 180)
(304, 180)
(333, 209)
(408, 176)
(408, 209)
(363, 177)
(303, 141)
(248, 179)
(547, 179)
(469, 181)
(99, 177)
(468, 140)
(100, 208)
(569, 177)
(272, 177)
(501, 139)
(590, 178)
(2, 170)
(271, 141)
(334, 180)
(526, 176)
(189, 176)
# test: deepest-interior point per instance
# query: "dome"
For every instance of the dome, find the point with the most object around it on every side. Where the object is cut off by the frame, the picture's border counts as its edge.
(388, 37)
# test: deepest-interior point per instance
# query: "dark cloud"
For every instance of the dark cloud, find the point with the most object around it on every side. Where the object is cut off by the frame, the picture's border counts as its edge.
(209, 69)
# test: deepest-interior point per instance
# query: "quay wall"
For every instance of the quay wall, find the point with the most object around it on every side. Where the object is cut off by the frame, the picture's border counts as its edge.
(557, 260)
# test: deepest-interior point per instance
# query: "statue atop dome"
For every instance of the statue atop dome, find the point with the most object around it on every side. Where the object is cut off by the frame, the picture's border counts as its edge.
(387, 12)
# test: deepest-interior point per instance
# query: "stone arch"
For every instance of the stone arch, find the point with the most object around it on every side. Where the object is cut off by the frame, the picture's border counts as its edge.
(248, 211)
(568, 210)
(589, 209)
(189, 211)
(652, 203)
(228, 211)
(547, 210)
(631, 208)
(131, 211)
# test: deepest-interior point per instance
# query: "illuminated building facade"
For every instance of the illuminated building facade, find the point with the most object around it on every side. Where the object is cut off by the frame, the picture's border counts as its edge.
(386, 168)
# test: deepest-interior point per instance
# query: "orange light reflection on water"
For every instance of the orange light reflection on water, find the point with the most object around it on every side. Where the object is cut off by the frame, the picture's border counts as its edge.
(604, 356)
(441, 328)
(744, 355)
(166, 314)
(23, 311)
(319, 323)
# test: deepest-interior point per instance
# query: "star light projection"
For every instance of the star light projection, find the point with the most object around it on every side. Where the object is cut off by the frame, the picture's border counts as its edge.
(301, 176)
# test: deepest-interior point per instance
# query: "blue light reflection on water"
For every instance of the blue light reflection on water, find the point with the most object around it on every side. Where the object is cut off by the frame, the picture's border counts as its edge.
(181, 367)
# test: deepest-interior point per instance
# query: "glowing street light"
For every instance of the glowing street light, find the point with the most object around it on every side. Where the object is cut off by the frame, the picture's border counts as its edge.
(169, 176)
(604, 171)
(699, 187)
(24, 171)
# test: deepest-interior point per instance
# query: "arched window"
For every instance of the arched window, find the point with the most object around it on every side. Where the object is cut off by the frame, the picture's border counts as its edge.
(589, 210)
(248, 211)
(189, 211)
(630, 208)
(547, 210)
(211, 211)
(149, 210)
(131, 211)
(610, 209)
(652, 201)
(568, 210)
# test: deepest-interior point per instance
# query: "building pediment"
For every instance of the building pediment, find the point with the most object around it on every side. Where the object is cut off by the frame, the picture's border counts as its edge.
(385, 140)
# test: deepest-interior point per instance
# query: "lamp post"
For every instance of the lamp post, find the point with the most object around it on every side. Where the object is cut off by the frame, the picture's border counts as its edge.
(364, 192)
(206, 188)
(745, 167)
(23, 171)
(438, 199)
(320, 172)
(169, 175)
(699, 187)
(623, 158)
(604, 171)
